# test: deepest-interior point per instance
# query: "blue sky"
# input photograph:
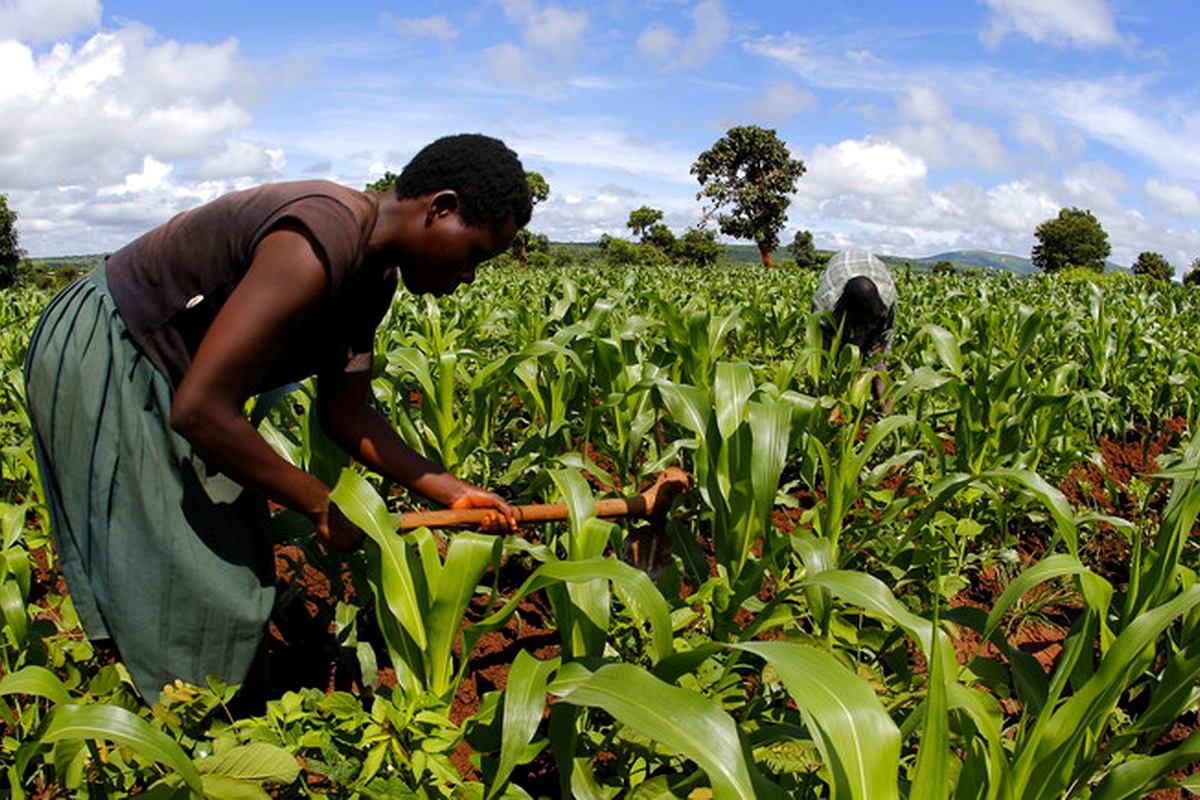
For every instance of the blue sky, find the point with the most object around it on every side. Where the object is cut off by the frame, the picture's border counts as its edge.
(925, 127)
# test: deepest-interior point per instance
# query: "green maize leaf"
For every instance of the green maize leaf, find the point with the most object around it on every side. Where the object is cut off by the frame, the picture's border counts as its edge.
(941, 491)
(362, 505)
(253, 761)
(323, 458)
(985, 713)
(1175, 694)
(416, 364)
(468, 556)
(817, 556)
(1030, 678)
(581, 506)
(524, 706)
(35, 680)
(582, 609)
(771, 427)
(12, 522)
(931, 778)
(18, 564)
(922, 380)
(1052, 498)
(858, 740)
(946, 346)
(680, 719)
(644, 600)
(426, 567)
(732, 387)
(1141, 775)
(1045, 764)
(683, 662)
(657, 788)
(871, 595)
(12, 605)
(1191, 783)
(535, 350)
(68, 721)
(931, 775)
(687, 406)
(1178, 519)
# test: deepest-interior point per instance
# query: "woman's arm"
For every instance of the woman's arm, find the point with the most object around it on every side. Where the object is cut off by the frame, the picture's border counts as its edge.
(367, 436)
(284, 285)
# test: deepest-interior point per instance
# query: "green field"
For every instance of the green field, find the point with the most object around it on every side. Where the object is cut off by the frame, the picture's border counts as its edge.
(988, 591)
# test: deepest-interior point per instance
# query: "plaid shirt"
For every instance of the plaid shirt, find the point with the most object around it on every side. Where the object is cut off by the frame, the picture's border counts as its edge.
(850, 264)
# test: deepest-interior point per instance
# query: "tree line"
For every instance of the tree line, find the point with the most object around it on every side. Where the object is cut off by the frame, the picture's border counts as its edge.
(747, 179)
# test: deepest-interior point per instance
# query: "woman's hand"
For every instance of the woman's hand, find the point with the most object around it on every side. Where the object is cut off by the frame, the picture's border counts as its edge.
(502, 521)
(339, 532)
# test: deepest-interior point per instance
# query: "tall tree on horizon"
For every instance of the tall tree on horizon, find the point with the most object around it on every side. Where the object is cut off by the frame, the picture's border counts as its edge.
(539, 190)
(752, 173)
(10, 253)
(1074, 238)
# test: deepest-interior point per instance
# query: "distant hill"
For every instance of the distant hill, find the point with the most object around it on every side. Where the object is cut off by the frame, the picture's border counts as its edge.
(982, 259)
(742, 254)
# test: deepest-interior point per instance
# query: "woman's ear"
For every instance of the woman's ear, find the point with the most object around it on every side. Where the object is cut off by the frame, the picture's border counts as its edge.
(442, 203)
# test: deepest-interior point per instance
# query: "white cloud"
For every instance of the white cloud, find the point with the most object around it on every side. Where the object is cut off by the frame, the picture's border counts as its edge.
(710, 30)
(1095, 186)
(153, 177)
(1079, 23)
(47, 20)
(550, 28)
(658, 42)
(512, 65)
(115, 126)
(1019, 206)
(943, 141)
(557, 30)
(925, 104)
(552, 40)
(1109, 111)
(439, 27)
(239, 158)
(1173, 199)
(1033, 130)
(780, 101)
(862, 185)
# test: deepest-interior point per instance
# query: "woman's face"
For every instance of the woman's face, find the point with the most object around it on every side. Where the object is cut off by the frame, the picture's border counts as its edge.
(447, 252)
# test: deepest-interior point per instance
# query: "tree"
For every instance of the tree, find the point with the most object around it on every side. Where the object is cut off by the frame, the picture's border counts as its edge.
(752, 173)
(641, 220)
(943, 267)
(386, 182)
(698, 248)
(539, 190)
(1192, 278)
(1074, 238)
(660, 236)
(620, 252)
(10, 253)
(803, 250)
(1153, 265)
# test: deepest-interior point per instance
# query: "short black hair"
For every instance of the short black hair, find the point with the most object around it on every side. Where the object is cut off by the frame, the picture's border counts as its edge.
(486, 174)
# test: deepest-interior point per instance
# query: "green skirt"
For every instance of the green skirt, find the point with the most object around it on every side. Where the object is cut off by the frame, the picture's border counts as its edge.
(171, 561)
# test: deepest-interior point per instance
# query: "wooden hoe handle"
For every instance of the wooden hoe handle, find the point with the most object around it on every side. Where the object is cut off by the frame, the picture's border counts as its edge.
(655, 500)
